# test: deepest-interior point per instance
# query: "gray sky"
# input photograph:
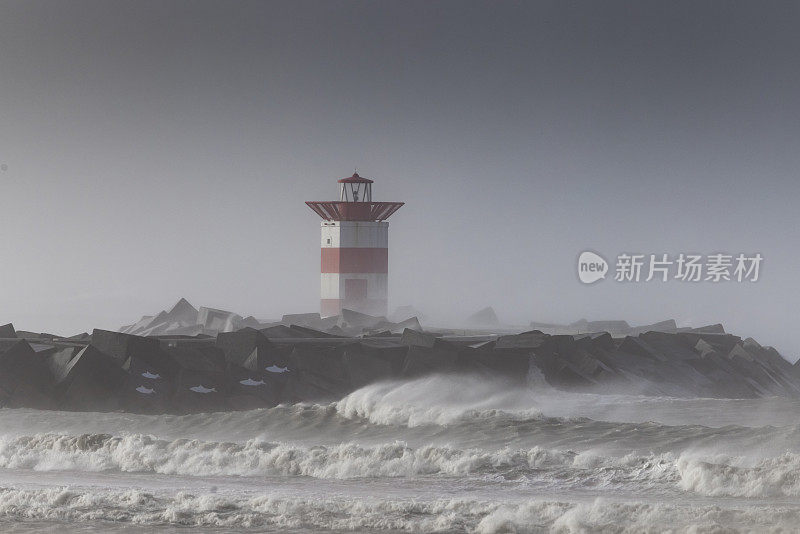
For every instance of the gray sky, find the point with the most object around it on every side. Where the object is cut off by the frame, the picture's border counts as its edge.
(164, 149)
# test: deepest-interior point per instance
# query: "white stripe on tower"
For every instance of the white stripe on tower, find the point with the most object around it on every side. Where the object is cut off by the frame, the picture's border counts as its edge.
(354, 266)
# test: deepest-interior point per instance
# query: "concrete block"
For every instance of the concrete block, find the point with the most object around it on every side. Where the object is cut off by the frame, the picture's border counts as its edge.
(121, 347)
(366, 365)
(90, 381)
(356, 319)
(238, 346)
(316, 374)
(214, 320)
(7, 331)
(422, 360)
(312, 320)
(24, 378)
(526, 340)
(250, 389)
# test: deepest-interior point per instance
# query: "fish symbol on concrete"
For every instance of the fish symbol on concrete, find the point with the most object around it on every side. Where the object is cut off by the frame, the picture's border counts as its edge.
(276, 369)
(148, 374)
(145, 391)
(251, 382)
(202, 389)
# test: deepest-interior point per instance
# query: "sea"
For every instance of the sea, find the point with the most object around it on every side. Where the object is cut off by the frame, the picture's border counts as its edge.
(443, 453)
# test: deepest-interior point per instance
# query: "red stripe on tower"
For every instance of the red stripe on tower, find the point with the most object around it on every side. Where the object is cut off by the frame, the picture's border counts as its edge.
(355, 260)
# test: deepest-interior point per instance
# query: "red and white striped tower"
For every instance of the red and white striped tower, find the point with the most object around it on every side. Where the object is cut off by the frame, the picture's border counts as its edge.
(355, 249)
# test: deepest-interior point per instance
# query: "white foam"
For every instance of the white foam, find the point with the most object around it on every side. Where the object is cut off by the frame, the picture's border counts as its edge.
(438, 400)
(242, 511)
(741, 477)
(142, 453)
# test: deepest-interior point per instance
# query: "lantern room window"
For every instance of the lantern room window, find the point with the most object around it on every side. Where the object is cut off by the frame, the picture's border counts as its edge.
(356, 192)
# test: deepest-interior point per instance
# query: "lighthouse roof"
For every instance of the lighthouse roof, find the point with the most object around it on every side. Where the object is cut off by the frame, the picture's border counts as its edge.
(355, 179)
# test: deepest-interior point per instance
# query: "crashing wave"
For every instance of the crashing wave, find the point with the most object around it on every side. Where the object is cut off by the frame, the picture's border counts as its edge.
(210, 510)
(737, 477)
(143, 453)
(711, 476)
(438, 400)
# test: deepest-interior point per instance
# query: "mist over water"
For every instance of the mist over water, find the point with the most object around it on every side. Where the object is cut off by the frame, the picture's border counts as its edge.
(458, 453)
(155, 150)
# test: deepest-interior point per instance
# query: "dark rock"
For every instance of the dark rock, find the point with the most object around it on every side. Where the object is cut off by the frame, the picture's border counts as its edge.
(24, 378)
(90, 381)
(337, 331)
(34, 336)
(250, 389)
(326, 323)
(278, 332)
(664, 326)
(422, 360)
(316, 374)
(411, 323)
(183, 312)
(526, 340)
(80, 338)
(365, 365)
(722, 343)
(710, 329)
(250, 322)
(121, 347)
(202, 381)
(672, 346)
(639, 347)
(725, 380)
(239, 345)
(423, 339)
(388, 328)
(256, 368)
(201, 358)
(511, 362)
(7, 331)
(613, 327)
(558, 371)
(57, 362)
(305, 332)
(200, 391)
(665, 361)
(274, 360)
(379, 333)
(213, 320)
(138, 326)
(704, 349)
(147, 389)
(356, 319)
(597, 340)
(581, 361)
(303, 319)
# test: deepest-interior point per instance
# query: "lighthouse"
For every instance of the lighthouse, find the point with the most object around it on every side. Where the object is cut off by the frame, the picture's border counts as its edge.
(354, 249)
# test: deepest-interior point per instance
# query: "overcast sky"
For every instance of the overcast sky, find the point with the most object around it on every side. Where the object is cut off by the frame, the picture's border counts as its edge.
(154, 150)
